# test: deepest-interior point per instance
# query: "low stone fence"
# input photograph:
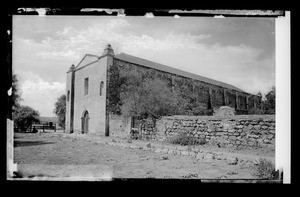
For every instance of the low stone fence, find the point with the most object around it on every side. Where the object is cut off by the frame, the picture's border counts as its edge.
(235, 131)
(148, 130)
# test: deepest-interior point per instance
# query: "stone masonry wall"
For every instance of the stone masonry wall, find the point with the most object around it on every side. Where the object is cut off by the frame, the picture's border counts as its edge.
(236, 131)
(148, 131)
(206, 93)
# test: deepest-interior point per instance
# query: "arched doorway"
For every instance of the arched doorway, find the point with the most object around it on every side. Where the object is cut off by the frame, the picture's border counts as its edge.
(85, 122)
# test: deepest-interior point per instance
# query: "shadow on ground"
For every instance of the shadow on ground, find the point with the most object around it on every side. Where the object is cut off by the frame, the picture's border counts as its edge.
(30, 143)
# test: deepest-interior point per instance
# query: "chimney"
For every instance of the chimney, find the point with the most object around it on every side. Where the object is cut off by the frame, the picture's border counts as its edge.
(108, 50)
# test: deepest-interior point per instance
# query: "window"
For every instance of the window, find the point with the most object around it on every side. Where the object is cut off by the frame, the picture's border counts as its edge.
(68, 96)
(86, 86)
(101, 87)
(191, 87)
(173, 84)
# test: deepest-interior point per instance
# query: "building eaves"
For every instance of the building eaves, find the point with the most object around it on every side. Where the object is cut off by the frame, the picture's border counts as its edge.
(139, 61)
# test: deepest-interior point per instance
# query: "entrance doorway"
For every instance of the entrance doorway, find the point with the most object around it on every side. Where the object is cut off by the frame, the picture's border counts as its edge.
(85, 122)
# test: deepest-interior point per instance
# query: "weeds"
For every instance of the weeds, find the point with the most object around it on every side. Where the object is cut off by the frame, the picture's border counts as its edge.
(185, 140)
(266, 170)
(190, 175)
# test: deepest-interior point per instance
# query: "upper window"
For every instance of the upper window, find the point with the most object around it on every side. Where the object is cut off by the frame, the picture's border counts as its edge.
(68, 96)
(101, 87)
(86, 86)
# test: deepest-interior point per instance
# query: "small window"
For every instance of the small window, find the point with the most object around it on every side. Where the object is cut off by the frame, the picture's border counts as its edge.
(68, 96)
(173, 84)
(191, 87)
(101, 87)
(86, 86)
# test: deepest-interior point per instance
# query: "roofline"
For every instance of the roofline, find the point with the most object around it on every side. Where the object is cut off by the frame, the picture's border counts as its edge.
(98, 57)
(85, 65)
(238, 90)
(84, 57)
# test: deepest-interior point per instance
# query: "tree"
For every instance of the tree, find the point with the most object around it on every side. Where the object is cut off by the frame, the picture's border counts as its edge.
(267, 105)
(143, 93)
(16, 93)
(24, 117)
(269, 102)
(190, 104)
(60, 110)
(114, 89)
(144, 97)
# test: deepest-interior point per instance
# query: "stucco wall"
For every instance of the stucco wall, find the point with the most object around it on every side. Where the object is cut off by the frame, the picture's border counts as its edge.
(119, 126)
(94, 103)
(68, 102)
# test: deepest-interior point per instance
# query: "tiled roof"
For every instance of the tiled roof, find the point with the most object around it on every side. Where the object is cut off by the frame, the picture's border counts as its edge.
(147, 63)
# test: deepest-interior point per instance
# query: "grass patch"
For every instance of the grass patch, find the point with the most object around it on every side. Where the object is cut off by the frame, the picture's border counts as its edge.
(266, 170)
(185, 140)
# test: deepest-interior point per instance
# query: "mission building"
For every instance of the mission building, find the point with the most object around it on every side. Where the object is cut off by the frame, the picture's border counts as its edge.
(86, 105)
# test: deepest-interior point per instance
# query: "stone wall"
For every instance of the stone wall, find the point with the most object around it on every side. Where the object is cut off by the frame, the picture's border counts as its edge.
(237, 131)
(119, 126)
(208, 95)
(149, 130)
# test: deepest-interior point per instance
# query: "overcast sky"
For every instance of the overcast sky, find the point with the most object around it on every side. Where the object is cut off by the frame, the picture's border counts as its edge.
(238, 51)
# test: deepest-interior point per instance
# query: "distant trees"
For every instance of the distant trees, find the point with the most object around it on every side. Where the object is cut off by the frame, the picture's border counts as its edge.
(16, 93)
(60, 110)
(267, 103)
(24, 117)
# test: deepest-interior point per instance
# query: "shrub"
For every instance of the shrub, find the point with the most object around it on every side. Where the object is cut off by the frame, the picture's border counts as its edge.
(266, 170)
(60, 110)
(24, 117)
(256, 111)
(185, 140)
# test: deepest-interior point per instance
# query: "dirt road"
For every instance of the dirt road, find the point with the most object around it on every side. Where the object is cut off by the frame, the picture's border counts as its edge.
(76, 156)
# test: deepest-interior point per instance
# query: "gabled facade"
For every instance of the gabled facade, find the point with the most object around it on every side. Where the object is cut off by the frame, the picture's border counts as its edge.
(86, 94)
(86, 107)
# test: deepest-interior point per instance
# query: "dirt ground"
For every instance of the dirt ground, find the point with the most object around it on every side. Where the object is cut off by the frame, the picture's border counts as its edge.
(58, 155)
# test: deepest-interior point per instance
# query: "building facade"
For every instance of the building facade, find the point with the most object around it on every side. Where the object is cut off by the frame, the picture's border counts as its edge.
(87, 83)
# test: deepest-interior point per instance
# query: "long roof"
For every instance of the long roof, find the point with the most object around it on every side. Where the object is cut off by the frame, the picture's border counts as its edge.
(161, 67)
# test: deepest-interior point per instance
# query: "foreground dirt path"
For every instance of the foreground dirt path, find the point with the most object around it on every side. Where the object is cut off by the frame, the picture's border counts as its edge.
(59, 155)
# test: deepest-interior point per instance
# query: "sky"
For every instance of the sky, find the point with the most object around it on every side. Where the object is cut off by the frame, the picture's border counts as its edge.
(238, 51)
